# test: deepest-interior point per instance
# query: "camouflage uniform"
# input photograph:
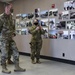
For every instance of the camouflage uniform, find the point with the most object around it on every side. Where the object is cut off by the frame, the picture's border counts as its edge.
(36, 42)
(7, 29)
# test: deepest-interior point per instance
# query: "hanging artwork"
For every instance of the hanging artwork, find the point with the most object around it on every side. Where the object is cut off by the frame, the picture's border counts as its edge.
(53, 12)
(69, 5)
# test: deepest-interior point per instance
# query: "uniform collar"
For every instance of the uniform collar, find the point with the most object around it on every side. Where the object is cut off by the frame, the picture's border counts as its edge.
(6, 16)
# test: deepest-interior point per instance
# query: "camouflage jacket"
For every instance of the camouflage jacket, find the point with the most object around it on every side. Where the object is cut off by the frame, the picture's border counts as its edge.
(7, 26)
(36, 34)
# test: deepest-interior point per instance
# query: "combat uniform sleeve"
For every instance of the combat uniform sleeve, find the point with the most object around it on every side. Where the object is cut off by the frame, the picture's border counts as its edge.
(43, 31)
(32, 31)
(1, 25)
(14, 29)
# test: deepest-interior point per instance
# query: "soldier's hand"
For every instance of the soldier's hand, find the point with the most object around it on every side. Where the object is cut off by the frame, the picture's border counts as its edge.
(13, 34)
(37, 28)
(40, 27)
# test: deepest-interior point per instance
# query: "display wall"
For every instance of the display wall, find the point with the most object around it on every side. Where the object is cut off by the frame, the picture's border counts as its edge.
(59, 48)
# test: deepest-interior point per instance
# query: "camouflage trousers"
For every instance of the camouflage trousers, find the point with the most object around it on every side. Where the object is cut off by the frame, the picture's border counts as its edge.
(6, 45)
(10, 52)
(35, 49)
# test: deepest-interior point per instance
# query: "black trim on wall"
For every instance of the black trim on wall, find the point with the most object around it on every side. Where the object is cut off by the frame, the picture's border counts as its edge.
(52, 58)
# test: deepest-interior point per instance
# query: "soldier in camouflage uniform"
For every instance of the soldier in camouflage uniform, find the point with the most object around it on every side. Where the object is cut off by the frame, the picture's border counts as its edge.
(36, 41)
(7, 29)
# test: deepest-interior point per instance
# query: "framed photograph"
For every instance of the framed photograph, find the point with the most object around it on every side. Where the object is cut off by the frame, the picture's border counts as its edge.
(53, 12)
(44, 22)
(24, 16)
(22, 22)
(52, 24)
(17, 22)
(18, 31)
(44, 14)
(63, 15)
(29, 23)
(18, 16)
(63, 34)
(37, 12)
(30, 15)
(46, 33)
(24, 31)
(70, 24)
(61, 25)
(72, 14)
(69, 5)
(72, 34)
(52, 34)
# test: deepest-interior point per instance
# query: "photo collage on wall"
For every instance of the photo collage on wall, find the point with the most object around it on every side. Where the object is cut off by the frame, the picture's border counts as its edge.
(53, 34)
(63, 15)
(53, 12)
(64, 27)
(23, 21)
(57, 24)
(69, 5)
(72, 34)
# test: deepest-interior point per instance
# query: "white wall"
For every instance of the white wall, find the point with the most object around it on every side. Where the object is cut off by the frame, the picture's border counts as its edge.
(51, 47)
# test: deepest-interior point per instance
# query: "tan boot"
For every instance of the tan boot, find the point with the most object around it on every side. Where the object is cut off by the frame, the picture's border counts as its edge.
(33, 62)
(19, 69)
(5, 70)
(10, 62)
(38, 61)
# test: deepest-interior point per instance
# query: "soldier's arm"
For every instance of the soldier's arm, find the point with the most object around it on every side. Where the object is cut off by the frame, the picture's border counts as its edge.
(1, 25)
(14, 29)
(32, 31)
(43, 31)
